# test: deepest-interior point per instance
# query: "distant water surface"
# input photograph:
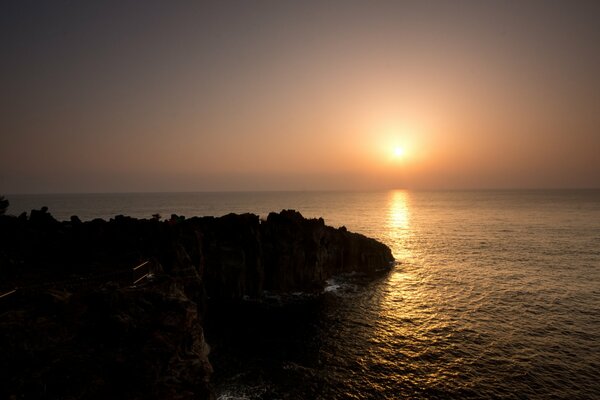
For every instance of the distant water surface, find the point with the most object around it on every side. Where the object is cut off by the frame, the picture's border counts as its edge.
(497, 295)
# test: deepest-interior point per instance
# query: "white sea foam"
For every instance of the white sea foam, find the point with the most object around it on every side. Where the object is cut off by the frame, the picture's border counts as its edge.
(331, 286)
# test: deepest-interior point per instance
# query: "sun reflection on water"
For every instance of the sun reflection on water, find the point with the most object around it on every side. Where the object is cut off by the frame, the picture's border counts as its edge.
(403, 307)
(398, 223)
(407, 312)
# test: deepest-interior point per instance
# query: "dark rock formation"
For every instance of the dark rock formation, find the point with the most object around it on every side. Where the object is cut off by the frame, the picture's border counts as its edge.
(287, 252)
(300, 254)
(77, 327)
(108, 342)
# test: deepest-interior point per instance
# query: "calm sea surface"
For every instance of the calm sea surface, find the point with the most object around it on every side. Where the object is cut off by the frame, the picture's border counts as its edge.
(496, 295)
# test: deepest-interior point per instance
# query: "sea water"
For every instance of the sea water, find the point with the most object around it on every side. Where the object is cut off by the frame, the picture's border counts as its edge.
(496, 294)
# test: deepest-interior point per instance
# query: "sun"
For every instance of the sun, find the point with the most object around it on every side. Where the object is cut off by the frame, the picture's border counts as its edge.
(399, 152)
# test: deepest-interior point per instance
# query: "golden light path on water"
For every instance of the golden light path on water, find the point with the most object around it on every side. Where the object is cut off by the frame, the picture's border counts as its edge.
(408, 311)
(398, 223)
(487, 300)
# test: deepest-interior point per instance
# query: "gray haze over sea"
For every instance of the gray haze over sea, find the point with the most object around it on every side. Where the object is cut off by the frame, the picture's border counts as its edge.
(496, 295)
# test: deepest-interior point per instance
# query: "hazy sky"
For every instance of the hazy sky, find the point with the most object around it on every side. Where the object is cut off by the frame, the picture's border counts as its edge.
(192, 96)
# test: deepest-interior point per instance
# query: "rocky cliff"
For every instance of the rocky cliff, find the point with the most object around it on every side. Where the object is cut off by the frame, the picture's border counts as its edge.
(78, 327)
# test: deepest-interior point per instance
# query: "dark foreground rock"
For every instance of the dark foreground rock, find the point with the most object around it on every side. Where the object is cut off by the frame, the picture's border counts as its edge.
(78, 327)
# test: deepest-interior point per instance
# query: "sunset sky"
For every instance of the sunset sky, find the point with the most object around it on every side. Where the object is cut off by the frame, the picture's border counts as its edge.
(127, 96)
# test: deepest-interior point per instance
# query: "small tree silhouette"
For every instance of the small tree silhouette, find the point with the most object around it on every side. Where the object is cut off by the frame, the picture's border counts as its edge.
(3, 205)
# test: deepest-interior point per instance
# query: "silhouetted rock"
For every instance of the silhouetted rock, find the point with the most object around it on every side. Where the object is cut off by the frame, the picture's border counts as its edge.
(301, 254)
(109, 342)
(76, 327)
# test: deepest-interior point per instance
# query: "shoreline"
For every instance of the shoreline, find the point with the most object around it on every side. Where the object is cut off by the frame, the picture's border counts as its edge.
(195, 262)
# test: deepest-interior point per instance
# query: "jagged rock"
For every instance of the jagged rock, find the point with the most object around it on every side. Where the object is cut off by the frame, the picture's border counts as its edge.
(128, 343)
(99, 337)
(300, 254)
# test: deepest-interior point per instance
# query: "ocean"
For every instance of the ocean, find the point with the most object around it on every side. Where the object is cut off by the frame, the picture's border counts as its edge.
(496, 294)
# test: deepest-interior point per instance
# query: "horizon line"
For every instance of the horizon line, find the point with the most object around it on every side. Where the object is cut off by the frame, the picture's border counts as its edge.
(233, 191)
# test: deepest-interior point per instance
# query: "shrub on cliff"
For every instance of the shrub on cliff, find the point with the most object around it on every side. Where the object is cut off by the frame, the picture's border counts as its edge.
(3, 205)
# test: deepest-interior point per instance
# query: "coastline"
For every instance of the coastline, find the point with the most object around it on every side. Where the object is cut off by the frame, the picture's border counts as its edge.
(151, 333)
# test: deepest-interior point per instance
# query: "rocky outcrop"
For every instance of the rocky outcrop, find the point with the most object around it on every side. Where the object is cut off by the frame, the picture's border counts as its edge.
(245, 256)
(77, 328)
(110, 342)
(300, 254)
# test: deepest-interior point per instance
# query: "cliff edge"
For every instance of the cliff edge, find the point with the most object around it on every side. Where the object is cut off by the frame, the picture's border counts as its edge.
(116, 308)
